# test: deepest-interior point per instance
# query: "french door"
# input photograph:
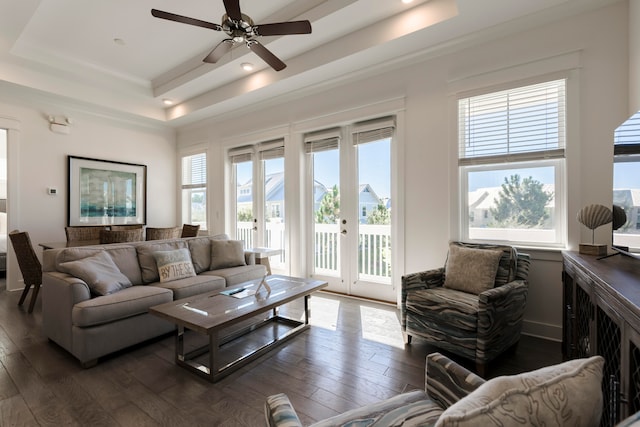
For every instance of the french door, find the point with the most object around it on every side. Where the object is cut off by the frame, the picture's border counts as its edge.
(350, 232)
(258, 182)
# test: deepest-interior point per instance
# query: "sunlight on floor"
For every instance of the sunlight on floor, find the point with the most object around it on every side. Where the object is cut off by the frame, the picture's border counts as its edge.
(381, 326)
(324, 312)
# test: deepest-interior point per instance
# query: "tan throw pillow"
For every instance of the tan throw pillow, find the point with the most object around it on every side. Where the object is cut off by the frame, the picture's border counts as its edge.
(567, 394)
(226, 254)
(99, 272)
(471, 270)
(174, 265)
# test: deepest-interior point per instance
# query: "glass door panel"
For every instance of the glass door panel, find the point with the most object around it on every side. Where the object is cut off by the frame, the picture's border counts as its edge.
(273, 225)
(245, 218)
(372, 250)
(326, 251)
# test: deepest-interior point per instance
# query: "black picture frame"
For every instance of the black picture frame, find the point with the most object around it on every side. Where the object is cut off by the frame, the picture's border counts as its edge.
(105, 192)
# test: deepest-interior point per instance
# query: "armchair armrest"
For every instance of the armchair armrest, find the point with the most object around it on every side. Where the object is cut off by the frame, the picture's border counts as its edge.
(278, 411)
(446, 382)
(500, 315)
(415, 282)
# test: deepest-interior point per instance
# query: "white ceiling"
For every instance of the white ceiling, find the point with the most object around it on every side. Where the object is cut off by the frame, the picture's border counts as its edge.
(66, 48)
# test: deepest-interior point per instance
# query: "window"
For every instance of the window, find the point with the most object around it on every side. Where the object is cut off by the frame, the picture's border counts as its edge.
(511, 164)
(626, 182)
(194, 189)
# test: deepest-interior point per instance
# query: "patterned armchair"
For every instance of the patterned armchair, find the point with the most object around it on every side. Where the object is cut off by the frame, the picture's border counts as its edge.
(472, 307)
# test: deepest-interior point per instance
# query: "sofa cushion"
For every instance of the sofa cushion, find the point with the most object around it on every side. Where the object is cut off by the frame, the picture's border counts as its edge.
(235, 275)
(190, 286)
(128, 302)
(569, 393)
(413, 408)
(471, 270)
(174, 265)
(226, 253)
(200, 248)
(126, 258)
(147, 262)
(99, 272)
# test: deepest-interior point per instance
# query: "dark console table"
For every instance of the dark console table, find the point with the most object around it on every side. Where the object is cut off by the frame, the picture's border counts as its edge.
(601, 304)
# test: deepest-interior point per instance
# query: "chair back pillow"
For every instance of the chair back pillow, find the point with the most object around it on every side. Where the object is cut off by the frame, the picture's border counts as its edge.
(507, 267)
(567, 394)
(471, 270)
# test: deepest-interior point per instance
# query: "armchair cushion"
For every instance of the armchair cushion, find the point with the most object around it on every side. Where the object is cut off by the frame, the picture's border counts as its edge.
(470, 269)
(569, 393)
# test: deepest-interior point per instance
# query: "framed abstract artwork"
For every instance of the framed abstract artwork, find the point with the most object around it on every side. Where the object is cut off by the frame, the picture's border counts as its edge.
(103, 192)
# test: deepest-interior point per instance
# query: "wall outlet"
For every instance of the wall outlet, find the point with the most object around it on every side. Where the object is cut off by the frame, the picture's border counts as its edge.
(52, 191)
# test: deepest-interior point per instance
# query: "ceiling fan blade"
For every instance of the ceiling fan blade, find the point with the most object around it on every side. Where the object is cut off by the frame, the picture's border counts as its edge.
(233, 9)
(185, 19)
(283, 28)
(219, 51)
(266, 55)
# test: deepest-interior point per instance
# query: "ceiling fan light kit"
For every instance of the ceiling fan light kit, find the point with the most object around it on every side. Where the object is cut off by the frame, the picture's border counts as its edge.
(241, 29)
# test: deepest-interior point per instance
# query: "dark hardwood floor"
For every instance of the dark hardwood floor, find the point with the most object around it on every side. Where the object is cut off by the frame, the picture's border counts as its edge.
(352, 356)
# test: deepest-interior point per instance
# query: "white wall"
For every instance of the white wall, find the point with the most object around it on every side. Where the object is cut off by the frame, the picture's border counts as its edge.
(38, 160)
(596, 45)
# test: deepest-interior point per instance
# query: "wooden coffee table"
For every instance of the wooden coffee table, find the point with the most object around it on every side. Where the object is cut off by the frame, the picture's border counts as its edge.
(214, 312)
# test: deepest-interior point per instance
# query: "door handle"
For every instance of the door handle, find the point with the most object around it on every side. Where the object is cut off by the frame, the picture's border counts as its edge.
(344, 232)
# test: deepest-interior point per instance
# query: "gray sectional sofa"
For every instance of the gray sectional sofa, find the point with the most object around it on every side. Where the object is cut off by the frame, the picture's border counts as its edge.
(95, 299)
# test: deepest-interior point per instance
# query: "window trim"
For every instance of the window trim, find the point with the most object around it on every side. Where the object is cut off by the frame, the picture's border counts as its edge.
(557, 158)
(192, 186)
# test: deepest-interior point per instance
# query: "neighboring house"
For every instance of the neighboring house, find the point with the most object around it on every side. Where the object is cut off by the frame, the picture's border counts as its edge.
(482, 200)
(274, 197)
(629, 199)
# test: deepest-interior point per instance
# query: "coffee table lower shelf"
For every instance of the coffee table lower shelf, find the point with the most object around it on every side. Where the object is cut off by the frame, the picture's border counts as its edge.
(213, 372)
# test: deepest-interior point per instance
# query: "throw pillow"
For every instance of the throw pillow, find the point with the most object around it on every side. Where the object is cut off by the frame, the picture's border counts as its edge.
(226, 254)
(174, 265)
(99, 272)
(471, 270)
(569, 393)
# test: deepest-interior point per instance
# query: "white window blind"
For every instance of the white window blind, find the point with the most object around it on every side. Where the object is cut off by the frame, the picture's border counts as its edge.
(194, 171)
(271, 149)
(241, 154)
(521, 124)
(627, 137)
(324, 140)
(373, 130)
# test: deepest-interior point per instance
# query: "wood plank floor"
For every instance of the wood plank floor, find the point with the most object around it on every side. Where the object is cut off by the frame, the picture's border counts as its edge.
(353, 355)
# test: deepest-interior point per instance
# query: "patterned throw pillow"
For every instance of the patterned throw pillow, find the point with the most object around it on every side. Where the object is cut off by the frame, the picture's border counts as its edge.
(174, 265)
(99, 272)
(226, 254)
(567, 394)
(471, 270)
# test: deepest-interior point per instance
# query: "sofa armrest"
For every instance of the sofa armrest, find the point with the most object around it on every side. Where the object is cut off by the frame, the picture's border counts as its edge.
(250, 258)
(60, 292)
(446, 382)
(279, 411)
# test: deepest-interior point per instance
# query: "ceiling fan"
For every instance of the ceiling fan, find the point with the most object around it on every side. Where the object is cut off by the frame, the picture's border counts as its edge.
(241, 29)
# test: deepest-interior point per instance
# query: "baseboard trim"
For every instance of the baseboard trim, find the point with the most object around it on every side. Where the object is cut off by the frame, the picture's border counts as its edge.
(542, 330)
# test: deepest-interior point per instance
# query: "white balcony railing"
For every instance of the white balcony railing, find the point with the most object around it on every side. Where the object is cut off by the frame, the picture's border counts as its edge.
(374, 248)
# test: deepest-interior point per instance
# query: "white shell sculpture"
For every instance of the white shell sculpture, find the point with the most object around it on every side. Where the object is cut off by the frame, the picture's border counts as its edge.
(593, 216)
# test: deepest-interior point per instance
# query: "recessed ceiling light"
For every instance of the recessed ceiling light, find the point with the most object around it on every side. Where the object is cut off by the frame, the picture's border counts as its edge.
(247, 66)
(167, 101)
(119, 41)
(407, 1)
